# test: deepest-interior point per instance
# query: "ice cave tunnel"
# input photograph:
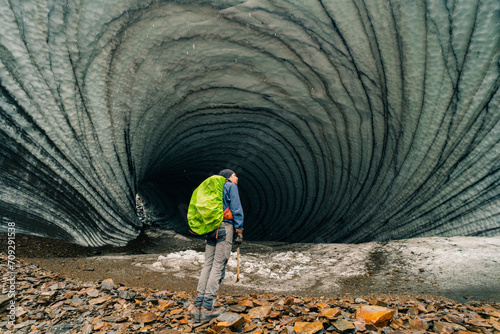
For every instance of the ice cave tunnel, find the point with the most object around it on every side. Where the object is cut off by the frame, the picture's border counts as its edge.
(346, 120)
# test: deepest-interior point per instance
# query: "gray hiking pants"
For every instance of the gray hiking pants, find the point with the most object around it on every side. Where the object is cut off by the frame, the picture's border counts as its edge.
(217, 253)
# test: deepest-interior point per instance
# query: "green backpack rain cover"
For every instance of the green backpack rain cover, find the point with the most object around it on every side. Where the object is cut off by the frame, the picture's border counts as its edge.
(205, 212)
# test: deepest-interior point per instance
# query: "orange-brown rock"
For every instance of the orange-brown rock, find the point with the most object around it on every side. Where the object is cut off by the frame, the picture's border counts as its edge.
(307, 327)
(494, 323)
(219, 326)
(489, 310)
(421, 307)
(237, 308)
(444, 327)
(378, 302)
(344, 325)
(396, 323)
(432, 307)
(274, 314)
(329, 313)
(257, 302)
(176, 311)
(418, 324)
(99, 300)
(91, 292)
(102, 326)
(146, 317)
(69, 294)
(412, 311)
(164, 304)
(249, 328)
(259, 312)
(226, 331)
(360, 325)
(246, 303)
(145, 329)
(478, 323)
(47, 295)
(375, 315)
(321, 305)
(233, 320)
(457, 319)
(292, 301)
(286, 330)
(247, 318)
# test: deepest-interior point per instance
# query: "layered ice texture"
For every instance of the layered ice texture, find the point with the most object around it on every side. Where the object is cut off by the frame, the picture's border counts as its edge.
(346, 121)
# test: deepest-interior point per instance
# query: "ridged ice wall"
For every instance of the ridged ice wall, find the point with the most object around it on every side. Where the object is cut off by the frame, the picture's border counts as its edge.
(346, 120)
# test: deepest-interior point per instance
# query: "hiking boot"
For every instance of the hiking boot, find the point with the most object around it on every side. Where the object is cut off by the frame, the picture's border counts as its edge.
(206, 315)
(196, 313)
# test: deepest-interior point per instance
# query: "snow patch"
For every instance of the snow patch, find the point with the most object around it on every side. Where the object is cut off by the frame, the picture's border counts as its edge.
(283, 270)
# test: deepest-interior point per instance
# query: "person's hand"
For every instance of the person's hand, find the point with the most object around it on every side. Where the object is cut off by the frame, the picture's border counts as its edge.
(239, 232)
(239, 237)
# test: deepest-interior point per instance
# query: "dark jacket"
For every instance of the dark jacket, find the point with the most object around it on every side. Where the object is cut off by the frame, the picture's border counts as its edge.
(231, 197)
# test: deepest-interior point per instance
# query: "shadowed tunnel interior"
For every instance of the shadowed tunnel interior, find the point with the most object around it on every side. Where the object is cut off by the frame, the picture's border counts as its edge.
(346, 121)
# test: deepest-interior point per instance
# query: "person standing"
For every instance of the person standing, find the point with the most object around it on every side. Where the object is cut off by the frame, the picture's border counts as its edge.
(218, 250)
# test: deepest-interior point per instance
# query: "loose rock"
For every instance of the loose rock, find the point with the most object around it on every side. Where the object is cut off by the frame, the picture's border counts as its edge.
(308, 327)
(375, 315)
(259, 312)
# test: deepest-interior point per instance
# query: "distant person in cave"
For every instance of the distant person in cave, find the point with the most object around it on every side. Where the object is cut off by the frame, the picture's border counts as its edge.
(218, 250)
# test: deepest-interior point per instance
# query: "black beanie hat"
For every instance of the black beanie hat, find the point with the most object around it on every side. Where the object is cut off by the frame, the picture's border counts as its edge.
(226, 173)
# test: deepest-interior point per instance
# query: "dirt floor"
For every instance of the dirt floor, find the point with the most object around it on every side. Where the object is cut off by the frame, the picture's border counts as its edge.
(409, 268)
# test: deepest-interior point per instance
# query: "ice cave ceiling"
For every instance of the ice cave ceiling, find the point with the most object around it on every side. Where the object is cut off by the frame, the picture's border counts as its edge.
(346, 120)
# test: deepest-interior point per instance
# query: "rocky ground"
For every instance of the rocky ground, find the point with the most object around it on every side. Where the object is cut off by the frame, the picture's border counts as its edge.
(149, 285)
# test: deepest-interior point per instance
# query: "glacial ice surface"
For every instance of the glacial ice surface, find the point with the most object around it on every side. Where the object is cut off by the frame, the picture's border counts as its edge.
(346, 121)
